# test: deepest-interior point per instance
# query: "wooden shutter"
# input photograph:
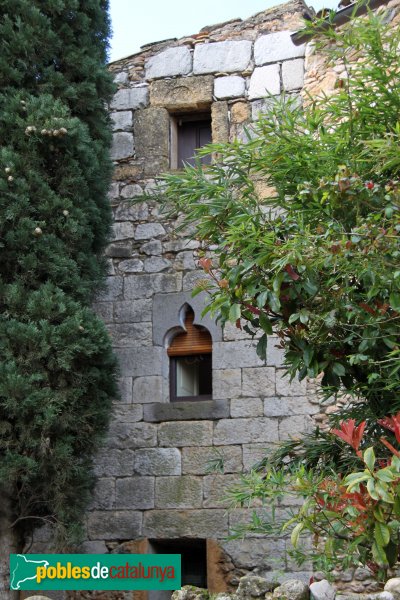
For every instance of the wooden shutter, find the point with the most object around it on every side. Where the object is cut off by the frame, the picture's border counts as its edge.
(195, 340)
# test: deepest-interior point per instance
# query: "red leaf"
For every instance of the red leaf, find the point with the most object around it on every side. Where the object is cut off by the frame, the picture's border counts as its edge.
(349, 433)
(292, 273)
(393, 424)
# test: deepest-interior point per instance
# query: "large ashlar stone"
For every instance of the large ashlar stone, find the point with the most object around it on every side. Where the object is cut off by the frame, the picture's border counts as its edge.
(231, 355)
(122, 145)
(294, 427)
(185, 491)
(170, 62)
(228, 57)
(215, 489)
(232, 86)
(130, 99)
(147, 389)
(227, 383)
(184, 411)
(198, 461)
(111, 525)
(259, 382)
(113, 289)
(185, 523)
(146, 231)
(293, 74)
(151, 127)
(285, 387)
(264, 81)
(138, 362)
(189, 433)
(126, 211)
(257, 551)
(122, 120)
(157, 461)
(116, 463)
(184, 93)
(244, 431)
(292, 405)
(124, 435)
(132, 311)
(219, 122)
(247, 407)
(104, 494)
(130, 335)
(144, 286)
(134, 491)
(122, 231)
(276, 46)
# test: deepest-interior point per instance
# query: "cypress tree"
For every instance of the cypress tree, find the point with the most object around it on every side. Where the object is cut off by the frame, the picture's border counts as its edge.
(57, 370)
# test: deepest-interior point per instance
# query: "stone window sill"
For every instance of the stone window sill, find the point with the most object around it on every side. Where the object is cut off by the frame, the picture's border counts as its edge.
(186, 411)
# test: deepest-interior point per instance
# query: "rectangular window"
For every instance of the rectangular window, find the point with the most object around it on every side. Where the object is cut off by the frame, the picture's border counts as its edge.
(191, 377)
(188, 134)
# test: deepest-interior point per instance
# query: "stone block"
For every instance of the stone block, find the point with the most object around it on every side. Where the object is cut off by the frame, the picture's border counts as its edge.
(189, 433)
(268, 552)
(113, 192)
(126, 211)
(233, 355)
(291, 405)
(147, 389)
(114, 525)
(115, 463)
(144, 286)
(119, 250)
(192, 280)
(122, 231)
(227, 383)
(121, 120)
(247, 407)
(260, 107)
(199, 461)
(157, 461)
(146, 231)
(258, 382)
(171, 523)
(228, 57)
(253, 453)
(219, 122)
(156, 264)
(275, 47)
(215, 489)
(294, 427)
(285, 387)
(179, 492)
(243, 516)
(136, 362)
(240, 112)
(169, 63)
(125, 390)
(244, 431)
(130, 99)
(264, 81)
(134, 265)
(134, 492)
(232, 86)
(185, 261)
(104, 310)
(293, 74)
(104, 494)
(274, 354)
(179, 245)
(128, 413)
(184, 93)
(112, 291)
(153, 248)
(132, 190)
(132, 311)
(151, 127)
(121, 77)
(131, 435)
(122, 145)
(184, 411)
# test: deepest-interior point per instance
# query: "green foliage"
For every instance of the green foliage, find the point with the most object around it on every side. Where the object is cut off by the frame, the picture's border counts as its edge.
(57, 371)
(317, 263)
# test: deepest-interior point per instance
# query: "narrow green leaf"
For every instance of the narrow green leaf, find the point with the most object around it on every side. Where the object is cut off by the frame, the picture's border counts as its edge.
(294, 538)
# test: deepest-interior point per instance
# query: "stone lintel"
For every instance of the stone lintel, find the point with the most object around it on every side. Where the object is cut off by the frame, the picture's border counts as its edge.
(183, 93)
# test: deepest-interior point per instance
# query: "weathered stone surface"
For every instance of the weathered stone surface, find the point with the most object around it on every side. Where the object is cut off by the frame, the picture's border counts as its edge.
(152, 248)
(264, 81)
(185, 261)
(215, 489)
(228, 57)
(113, 289)
(134, 265)
(244, 431)
(265, 552)
(393, 586)
(121, 77)
(292, 405)
(131, 212)
(251, 586)
(111, 525)
(219, 122)
(247, 407)
(122, 145)
(187, 523)
(231, 355)
(198, 461)
(125, 390)
(113, 192)
(151, 127)
(134, 492)
(157, 461)
(294, 589)
(232, 86)
(147, 389)
(122, 231)
(131, 191)
(227, 383)
(131, 435)
(145, 231)
(240, 112)
(260, 107)
(171, 62)
(104, 494)
(116, 463)
(285, 387)
(122, 120)
(132, 311)
(188, 93)
(132, 98)
(179, 245)
(274, 47)
(154, 265)
(190, 592)
(293, 74)
(130, 335)
(144, 286)
(322, 590)
(189, 433)
(185, 491)
(128, 412)
(104, 310)
(136, 362)
(258, 382)
(183, 411)
(293, 427)
(119, 250)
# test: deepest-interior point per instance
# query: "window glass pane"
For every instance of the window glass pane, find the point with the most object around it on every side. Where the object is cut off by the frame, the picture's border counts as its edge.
(187, 377)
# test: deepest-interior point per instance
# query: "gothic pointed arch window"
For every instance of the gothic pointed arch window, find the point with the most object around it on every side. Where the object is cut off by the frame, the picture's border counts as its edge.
(190, 356)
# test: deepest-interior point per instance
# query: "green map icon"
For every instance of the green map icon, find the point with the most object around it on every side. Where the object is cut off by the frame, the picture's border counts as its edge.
(24, 569)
